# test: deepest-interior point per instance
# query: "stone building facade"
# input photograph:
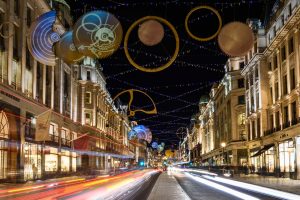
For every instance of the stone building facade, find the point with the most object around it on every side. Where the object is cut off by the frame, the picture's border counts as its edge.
(273, 122)
(87, 130)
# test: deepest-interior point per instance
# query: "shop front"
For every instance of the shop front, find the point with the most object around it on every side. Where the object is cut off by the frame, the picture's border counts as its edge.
(287, 158)
(263, 160)
(32, 161)
(51, 160)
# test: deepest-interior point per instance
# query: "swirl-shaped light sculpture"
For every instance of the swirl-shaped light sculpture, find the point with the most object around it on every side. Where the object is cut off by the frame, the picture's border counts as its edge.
(97, 34)
(42, 37)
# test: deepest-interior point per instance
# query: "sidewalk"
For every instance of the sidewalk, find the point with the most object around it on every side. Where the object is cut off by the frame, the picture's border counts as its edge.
(167, 188)
(283, 184)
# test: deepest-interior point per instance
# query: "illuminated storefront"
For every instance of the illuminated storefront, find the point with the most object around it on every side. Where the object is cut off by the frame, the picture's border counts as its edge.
(263, 160)
(287, 157)
(51, 159)
(32, 161)
(4, 132)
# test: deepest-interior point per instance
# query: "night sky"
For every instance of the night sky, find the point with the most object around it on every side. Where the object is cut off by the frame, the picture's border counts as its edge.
(176, 90)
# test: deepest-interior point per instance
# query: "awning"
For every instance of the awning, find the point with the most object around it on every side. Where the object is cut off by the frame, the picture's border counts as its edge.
(264, 149)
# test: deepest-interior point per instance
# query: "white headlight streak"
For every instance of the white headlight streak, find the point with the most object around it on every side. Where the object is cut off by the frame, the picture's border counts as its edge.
(256, 188)
(222, 188)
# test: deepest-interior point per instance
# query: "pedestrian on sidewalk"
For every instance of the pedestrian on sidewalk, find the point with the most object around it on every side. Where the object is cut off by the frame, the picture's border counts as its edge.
(34, 171)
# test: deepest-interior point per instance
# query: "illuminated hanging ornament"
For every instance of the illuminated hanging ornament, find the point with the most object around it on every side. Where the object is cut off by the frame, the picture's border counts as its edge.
(97, 34)
(140, 132)
(154, 145)
(236, 39)
(66, 50)
(151, 32)
(131, 94)
(42, 37)
(155, 68)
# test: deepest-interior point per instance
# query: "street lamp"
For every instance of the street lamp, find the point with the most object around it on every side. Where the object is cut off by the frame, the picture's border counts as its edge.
(223, 145)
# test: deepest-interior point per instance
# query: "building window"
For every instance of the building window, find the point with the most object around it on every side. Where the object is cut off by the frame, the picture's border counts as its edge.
(29, 16)
(277, 119)
(4, 125)
(271, 95)
(287, 156)
(286, 114)
(51, 159)
(242, 119)
(88, 75)
(88, 119)
(241, 99)
(258, 127)
(294, 113)
(253, 130)
(285, 86)
(17, 7)
(241, 83)
(242, 65)
(291, 45)
(256, 74)
(271, 122)
(275, 62)
(16, 43)
(283, 54)
(276, 91)
(270, 66)
(292, 78)
(88, 98)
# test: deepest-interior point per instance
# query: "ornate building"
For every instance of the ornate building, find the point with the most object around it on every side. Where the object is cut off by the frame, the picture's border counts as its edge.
(222, 119)
(87, 131)
(272, 70)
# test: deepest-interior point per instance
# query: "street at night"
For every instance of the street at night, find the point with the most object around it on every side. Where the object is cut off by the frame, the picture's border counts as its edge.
(149, 100)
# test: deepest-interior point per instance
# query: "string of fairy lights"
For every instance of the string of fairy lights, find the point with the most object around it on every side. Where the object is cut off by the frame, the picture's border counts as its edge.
(188, 48)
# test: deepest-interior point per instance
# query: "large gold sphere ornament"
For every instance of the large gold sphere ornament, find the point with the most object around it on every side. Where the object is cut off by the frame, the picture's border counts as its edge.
(197, 37)
(236, 39)
(151, 32)
(163, 21)
(97, 34)
(66, 50)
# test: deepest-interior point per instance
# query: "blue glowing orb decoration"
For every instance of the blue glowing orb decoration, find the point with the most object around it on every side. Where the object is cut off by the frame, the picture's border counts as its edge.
(66, 50)
(154, 145)
(140, 132)
(42, 37)
(97, 34)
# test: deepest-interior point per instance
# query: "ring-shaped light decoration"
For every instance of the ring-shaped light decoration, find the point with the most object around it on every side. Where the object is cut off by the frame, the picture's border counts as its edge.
(1, 27)
(204, 39)
(132, 112)
(162, 67)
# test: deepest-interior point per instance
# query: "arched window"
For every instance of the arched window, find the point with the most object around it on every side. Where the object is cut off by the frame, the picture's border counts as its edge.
(4, 125)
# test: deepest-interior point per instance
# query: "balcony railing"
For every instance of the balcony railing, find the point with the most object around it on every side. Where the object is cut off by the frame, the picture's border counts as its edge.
(282, 127)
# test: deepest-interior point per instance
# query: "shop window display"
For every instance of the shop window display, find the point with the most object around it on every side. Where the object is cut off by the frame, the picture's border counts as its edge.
(287, 156)
(4, 133)
(51, 159)
(73, 161)
(65, 161)
(3, 159)
(32, 162)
